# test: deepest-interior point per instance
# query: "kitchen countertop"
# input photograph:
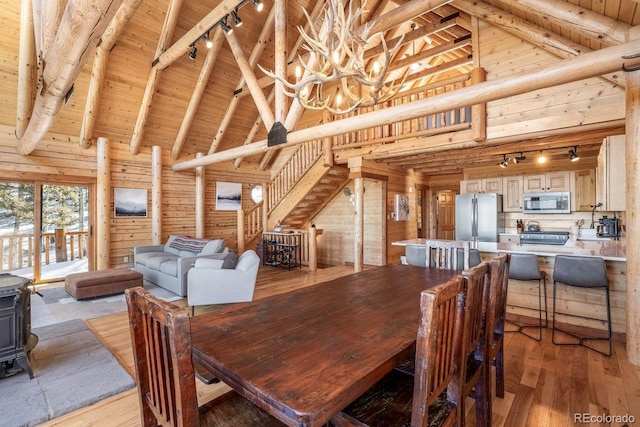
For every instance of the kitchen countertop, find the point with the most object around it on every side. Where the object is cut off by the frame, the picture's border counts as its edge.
(614, 250)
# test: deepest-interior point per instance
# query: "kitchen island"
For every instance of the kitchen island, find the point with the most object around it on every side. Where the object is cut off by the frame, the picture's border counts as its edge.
(580, 302)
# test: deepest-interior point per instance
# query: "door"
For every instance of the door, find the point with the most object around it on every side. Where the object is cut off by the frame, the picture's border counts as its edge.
(64, 230)
(44, 229)
(446, 215)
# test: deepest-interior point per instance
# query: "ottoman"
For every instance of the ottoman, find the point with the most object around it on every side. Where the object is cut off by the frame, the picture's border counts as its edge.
(101, 282)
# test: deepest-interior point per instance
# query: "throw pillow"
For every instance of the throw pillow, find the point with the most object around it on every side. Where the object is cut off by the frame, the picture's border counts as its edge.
(215, 246)
(230, 261)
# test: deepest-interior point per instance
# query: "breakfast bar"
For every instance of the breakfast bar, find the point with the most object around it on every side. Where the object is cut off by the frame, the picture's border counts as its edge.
(578, 303)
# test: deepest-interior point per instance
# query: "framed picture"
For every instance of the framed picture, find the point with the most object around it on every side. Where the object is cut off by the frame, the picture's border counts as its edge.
(129, 202)
(228, 196)
(401, 207)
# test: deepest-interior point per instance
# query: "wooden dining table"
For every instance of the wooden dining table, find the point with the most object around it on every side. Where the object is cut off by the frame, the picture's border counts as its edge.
(303, 356)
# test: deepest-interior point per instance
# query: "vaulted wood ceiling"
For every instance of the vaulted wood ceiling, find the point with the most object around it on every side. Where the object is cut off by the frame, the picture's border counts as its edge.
(146, 60)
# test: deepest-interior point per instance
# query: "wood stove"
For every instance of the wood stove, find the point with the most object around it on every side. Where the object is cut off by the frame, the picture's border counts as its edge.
(16, 339)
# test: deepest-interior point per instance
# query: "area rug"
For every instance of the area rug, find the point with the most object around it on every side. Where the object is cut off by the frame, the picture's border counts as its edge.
(72, 369)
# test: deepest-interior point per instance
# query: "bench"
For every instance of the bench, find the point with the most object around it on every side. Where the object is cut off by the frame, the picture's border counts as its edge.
(102, 282)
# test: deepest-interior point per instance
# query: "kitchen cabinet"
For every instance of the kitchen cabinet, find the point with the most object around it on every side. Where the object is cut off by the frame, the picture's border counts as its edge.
(552, 181)
(585, 194)
(512, 193)
(484, 185)
(611, 182)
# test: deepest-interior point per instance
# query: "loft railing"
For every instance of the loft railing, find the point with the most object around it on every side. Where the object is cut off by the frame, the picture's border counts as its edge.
(17, 250)
(448, 121)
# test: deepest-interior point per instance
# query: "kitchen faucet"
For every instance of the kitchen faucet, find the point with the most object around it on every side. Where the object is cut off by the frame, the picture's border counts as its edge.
(593, 211)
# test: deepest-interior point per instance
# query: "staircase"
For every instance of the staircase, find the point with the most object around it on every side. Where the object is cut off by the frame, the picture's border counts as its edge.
(318, 187)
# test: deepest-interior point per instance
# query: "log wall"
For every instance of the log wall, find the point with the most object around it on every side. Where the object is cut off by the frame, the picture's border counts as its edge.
(59, 159)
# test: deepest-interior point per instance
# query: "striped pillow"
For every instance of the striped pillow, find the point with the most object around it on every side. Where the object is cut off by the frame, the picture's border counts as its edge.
(190, 244)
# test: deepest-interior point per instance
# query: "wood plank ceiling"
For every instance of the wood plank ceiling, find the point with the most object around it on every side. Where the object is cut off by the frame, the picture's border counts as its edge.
(200, 104)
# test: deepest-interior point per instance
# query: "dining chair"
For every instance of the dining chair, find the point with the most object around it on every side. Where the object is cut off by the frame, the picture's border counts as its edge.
(399, 399)
(444, 254)
(499, 283)
(161, 337)
(473, 380)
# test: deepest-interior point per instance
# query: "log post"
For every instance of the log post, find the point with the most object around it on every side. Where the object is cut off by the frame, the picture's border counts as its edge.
(103, 165)
(156, 195)
(200, 183)
(240, 241)
(313, 249)
(479, 111)
(265, 206)
(632, 144)
(358, 229)
(60, 238)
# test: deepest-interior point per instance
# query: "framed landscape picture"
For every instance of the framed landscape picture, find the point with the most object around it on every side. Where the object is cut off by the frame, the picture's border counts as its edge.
(228, 196)
(130, 202)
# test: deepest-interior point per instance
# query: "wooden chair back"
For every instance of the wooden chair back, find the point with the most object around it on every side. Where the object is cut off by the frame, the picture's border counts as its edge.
(161, 337)
(477, 287)
(438, 346)
(444, 253)
(497, 304)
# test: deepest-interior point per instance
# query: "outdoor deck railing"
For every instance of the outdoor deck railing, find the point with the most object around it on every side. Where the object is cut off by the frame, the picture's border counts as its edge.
(17, 250)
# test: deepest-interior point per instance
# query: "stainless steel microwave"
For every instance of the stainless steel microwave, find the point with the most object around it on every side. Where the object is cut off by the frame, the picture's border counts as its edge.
(544, 203)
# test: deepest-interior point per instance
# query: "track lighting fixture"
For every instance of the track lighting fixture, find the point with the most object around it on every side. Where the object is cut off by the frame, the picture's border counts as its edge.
(541, 158)
(235, 18)
(258, 4)
(573, 154)
(192, 54)
(519, 159)
(505, 161)
(207, 41)
(225, 27)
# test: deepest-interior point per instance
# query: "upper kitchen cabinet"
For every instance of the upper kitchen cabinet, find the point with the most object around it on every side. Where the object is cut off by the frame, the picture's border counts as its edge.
(611, 185)
(485, 185)
(585, 194)
(512, 197)
(553, 181)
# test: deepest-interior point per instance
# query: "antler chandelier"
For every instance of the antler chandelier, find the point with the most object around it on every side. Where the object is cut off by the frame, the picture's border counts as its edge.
(337, 55)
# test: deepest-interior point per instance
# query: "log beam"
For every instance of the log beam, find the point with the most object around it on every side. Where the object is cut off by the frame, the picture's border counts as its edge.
(198, 92)
(581, 67)
(256, 92)
(166, 57)
(280, 7)
(103, 202)
(156, 195)
(572, 17)
(81, 26)
(632, 148)
(101, 57)
(26, 68)
(154, 76)
(260, 45)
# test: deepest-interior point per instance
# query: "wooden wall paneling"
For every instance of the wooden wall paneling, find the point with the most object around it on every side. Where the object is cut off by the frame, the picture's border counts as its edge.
(336, 243)
(200, 192)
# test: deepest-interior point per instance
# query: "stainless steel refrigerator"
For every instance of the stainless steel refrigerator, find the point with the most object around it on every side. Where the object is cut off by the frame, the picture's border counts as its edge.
(479, 217)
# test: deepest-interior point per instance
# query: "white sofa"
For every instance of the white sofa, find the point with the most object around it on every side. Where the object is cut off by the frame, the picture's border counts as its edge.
(167, 265)
(211, 282)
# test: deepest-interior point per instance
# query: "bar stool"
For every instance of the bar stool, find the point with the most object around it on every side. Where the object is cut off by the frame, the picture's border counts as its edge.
(584, 272)
(525, 267)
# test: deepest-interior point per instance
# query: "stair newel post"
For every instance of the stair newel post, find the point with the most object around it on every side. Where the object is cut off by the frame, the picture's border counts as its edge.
(313, 249)
(240, 240)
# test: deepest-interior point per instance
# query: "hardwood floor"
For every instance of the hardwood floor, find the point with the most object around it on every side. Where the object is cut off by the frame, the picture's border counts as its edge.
(545, 384)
